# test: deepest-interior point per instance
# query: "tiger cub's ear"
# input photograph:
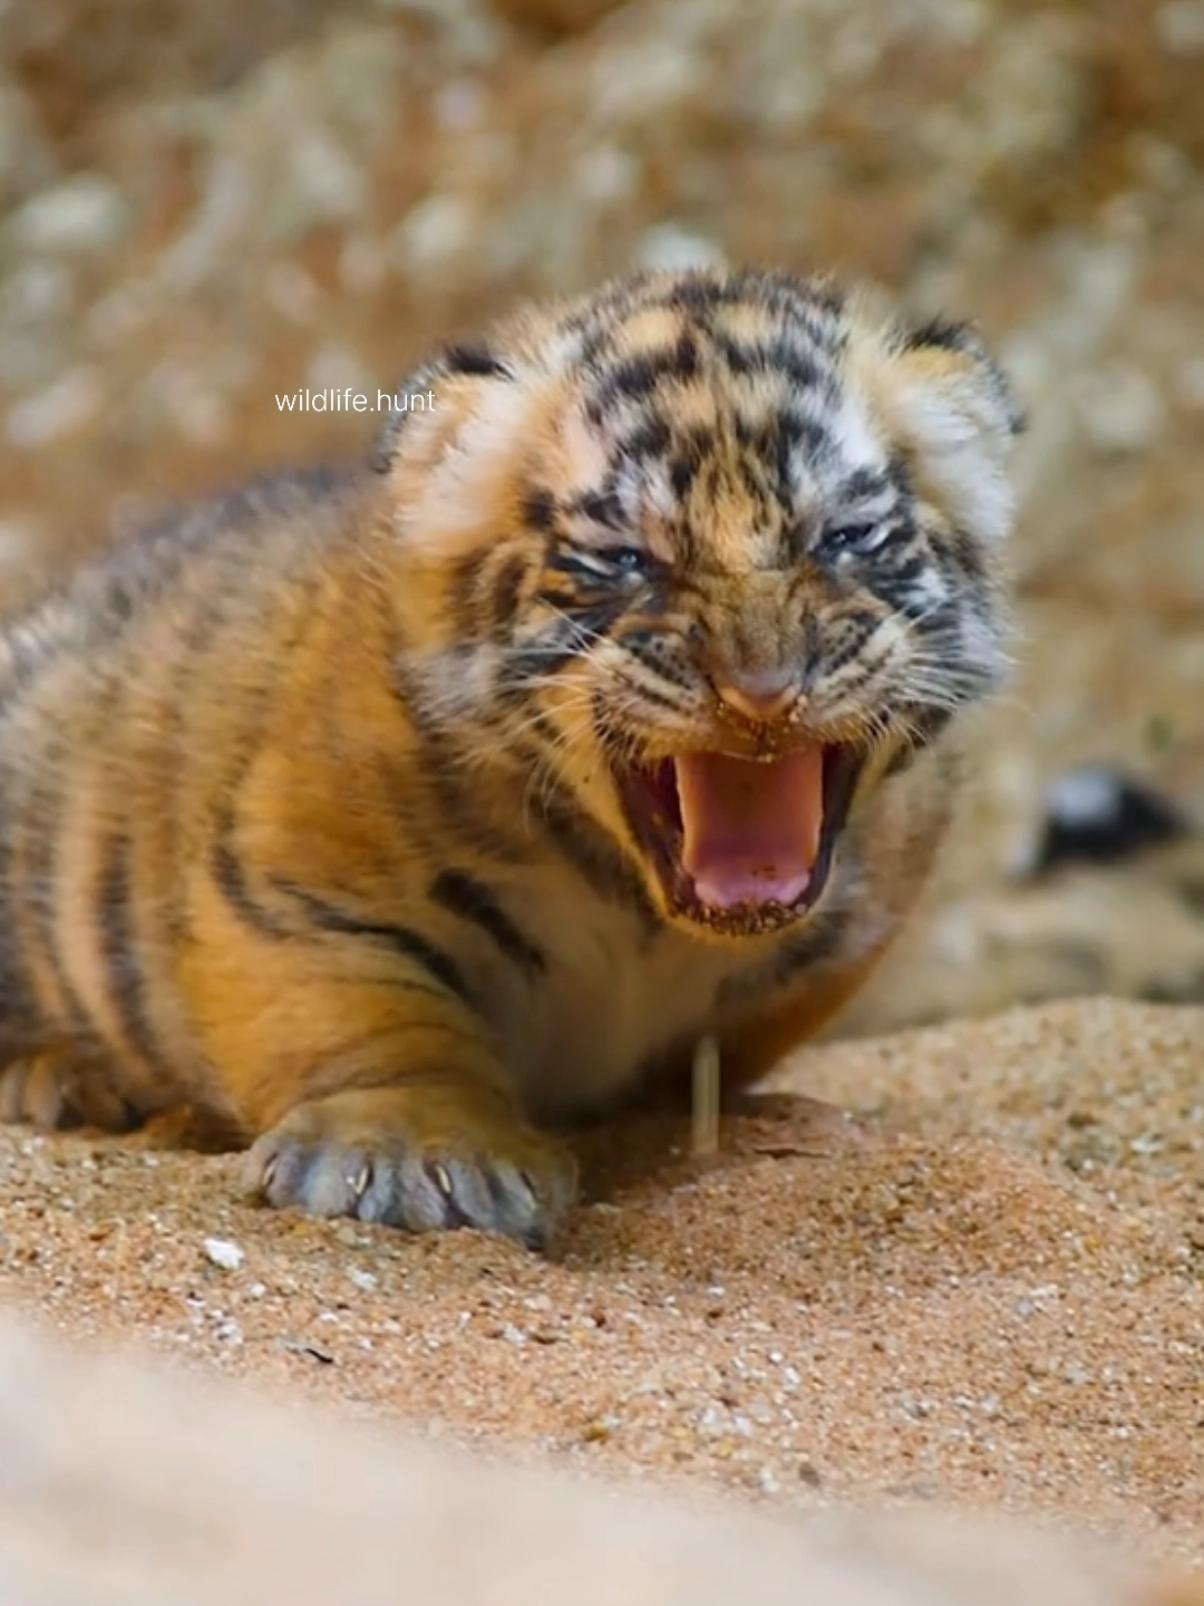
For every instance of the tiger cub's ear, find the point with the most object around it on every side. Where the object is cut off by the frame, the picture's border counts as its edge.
(448, 447)
(434, 386)
(949, 410)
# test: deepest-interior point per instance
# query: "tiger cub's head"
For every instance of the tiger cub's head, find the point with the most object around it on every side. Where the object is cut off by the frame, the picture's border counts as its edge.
(697, 548)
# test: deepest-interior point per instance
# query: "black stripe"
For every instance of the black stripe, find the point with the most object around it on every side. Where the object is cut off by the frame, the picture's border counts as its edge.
(590, 850)
(660, 653)
(603, 507)
(388, 439)
(506, 592)
(698, 295)
(931, 619)
(43, 806)
(965, 559)
(196, 636)
(523, 666)
(780, 443)
(681, 476)
(565, 558)
(796, 429)
(655, 668)
(538, 510)
(897, 586)
(556, 648)
(466, 575)
(942, 332)
(826, 296)
(819, 942)
(925, 725)
(474, 359)
(696, 445)
(225, 862)
(773, 357)
(127, 987)
(651, 694)
(18, 1018)
(228, 875)
(753, 479)
(855, 631)
(579, 563)
(639, 376)
(599, 618)
(866, 484)
(651, 439)
(803, 301)
(699, 440)
(411, 944)
(469, 898)
(536, 723)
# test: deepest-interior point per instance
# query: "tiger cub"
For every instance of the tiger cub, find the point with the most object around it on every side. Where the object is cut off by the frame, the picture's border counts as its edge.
(391, 817)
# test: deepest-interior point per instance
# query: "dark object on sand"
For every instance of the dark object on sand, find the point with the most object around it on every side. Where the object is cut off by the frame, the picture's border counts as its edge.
(1097, 815)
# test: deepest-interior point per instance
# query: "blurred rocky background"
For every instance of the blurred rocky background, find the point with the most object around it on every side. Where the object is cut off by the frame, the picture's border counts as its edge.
(203, 206)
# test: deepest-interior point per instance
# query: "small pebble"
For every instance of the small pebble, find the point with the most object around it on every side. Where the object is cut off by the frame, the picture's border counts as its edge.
(224, 1254)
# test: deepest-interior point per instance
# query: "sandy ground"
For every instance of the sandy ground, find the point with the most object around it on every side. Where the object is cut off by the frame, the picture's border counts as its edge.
(983, 1290)
(243, 1501)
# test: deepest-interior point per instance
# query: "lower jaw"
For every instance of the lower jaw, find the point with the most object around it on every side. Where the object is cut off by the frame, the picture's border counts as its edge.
(749, 918)
(756, 916)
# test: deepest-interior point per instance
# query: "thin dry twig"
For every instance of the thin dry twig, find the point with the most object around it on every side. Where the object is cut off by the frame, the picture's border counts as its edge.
(706, 1089)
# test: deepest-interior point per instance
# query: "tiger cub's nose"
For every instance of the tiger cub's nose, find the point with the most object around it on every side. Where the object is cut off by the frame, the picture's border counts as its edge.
(761, 694)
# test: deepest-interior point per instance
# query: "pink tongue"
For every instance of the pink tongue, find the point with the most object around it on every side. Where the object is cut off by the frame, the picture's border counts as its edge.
(751, 830)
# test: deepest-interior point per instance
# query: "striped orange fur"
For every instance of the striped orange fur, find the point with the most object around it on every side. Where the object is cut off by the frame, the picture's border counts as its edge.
(353, 809)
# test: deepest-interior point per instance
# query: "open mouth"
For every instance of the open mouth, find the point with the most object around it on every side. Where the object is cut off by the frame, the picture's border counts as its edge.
(742, 845)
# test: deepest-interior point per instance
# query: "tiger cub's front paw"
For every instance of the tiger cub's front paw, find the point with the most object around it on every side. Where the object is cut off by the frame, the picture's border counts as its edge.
(417, 1157)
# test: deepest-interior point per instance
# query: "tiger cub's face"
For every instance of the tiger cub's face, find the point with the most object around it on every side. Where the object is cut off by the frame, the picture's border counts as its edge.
(699, 549)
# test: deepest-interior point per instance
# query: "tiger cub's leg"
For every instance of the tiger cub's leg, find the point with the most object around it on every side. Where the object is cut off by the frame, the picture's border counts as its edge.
(56, 1089)
(376, 1096)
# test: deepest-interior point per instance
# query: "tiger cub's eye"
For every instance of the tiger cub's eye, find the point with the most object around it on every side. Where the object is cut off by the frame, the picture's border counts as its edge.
(627, 559)
(629, 563)
(864, 538)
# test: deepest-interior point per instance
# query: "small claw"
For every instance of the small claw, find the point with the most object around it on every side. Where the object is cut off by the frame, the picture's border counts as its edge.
(441, 1178)
(255, 1177)
(518, 1211)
